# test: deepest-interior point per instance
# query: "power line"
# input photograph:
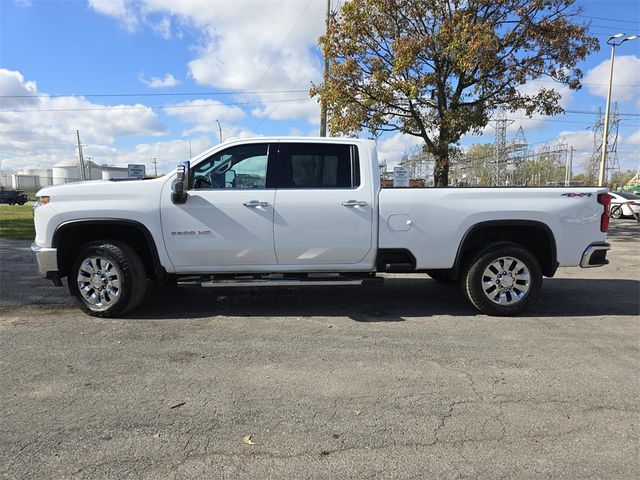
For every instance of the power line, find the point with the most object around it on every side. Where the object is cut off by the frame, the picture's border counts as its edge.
(586, 112)
(45, 132)
(535, 119)
(633, 85)
(277, 55)
(609, 19)
(601, 34)
(153, 107)
(153, 94)
(593, 25)
(273, 61)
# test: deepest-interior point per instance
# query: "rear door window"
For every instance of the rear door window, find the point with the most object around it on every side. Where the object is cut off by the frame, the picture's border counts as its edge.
(318, 165)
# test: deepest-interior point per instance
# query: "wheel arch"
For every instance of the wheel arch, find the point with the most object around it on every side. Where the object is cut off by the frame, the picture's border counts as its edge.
(535, 236)
(69, 236)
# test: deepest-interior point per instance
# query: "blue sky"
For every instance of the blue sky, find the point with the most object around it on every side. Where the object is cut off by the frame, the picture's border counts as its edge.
(50, 50)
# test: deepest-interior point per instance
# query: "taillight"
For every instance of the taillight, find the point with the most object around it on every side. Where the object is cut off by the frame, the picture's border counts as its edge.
(605, 200)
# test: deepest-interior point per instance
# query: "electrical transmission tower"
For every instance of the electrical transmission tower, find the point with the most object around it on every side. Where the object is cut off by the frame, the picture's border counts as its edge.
(500, 123)
(419, 163)
(613, 165)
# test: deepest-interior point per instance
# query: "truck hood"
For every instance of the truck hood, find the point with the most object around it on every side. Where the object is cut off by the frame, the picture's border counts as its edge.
(103, 190)
(94, 188)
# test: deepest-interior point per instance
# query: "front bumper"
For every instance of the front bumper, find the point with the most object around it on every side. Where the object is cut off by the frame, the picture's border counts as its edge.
(595, 255)
(47, 259)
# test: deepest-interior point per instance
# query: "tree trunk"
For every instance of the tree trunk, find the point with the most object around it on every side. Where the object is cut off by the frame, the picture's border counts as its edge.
(441, 170)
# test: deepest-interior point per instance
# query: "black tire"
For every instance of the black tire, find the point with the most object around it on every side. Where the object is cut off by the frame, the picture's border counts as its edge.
(616, 211)
(513, 289)
(442, 276)
(127, 269)
(21, 203)
(11, 202)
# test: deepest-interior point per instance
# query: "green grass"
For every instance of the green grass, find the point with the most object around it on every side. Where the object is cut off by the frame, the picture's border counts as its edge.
(16, 222)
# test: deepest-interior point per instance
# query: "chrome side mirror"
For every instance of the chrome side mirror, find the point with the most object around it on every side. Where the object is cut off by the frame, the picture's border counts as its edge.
(181, 183)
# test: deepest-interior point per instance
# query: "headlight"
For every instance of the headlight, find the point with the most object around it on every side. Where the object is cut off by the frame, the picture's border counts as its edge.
(41, 201)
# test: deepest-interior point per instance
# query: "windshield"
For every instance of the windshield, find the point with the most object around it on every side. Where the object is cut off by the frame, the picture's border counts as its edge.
(628, 196)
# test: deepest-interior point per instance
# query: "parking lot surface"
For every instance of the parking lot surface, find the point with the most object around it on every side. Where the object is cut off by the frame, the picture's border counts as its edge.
(403, 381)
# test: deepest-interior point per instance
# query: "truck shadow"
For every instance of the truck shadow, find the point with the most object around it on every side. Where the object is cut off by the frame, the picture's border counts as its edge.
(624, 230)
(398, 300)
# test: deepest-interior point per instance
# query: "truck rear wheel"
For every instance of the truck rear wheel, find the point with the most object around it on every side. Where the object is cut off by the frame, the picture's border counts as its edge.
(503, 279)
(107, 278)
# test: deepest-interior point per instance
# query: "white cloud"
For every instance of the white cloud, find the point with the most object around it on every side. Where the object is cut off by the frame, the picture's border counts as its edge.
(633, 139)
(247, 45)
(537, 121)
(625, 78)
(289, 109)
(118, 9)
(17, 92)
(39, 130)
(203, 115)
(162, 27)
(160, 82)
(168, 153)
(519, 118)
(578, 139)
(582, 143)
(392, 149)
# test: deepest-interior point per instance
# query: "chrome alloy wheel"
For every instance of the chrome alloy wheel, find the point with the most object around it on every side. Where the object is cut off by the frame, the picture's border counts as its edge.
(99, 282)
(506, 281)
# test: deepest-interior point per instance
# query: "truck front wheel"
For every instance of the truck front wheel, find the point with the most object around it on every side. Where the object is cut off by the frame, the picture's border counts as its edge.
(107, 278)
(503, 280)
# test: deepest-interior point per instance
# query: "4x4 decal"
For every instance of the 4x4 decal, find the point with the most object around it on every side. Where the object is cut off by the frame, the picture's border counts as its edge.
(571, 195)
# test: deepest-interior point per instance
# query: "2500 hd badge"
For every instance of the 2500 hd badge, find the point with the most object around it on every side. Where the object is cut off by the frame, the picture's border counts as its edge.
(192, 232)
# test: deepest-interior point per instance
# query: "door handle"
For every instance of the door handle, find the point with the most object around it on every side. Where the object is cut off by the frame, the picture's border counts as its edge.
(256, 204)
(354, 203)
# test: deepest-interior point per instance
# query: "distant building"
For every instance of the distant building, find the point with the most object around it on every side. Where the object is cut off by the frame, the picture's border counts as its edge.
(64, 171)
(31, 179)
(109, 172)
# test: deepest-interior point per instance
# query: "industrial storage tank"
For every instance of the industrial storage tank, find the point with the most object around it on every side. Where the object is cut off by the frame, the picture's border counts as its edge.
(65, 171)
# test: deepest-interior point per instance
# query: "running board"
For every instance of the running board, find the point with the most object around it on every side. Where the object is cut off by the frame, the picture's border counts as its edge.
(279, 280)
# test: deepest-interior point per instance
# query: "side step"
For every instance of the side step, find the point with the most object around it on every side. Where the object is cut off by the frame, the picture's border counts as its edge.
(279, 280)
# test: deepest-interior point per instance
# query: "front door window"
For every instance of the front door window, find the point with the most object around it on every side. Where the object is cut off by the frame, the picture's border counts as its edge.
(241, 167)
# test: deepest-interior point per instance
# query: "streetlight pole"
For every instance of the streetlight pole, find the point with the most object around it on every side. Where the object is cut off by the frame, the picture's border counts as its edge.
(605, 137)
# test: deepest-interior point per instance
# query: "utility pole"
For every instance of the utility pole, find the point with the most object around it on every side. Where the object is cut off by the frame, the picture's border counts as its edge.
(569, 169)
(87, 167)
(219, 130)
(155, 165)
(323, 103)
(83, 175)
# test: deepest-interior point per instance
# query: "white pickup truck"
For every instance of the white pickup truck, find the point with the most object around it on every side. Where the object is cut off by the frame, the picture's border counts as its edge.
(308, 211)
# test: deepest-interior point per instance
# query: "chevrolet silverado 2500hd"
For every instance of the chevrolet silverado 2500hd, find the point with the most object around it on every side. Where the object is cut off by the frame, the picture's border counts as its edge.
(305, 211)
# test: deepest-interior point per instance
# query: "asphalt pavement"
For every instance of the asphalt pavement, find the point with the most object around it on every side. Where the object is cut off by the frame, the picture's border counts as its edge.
(400, 381)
